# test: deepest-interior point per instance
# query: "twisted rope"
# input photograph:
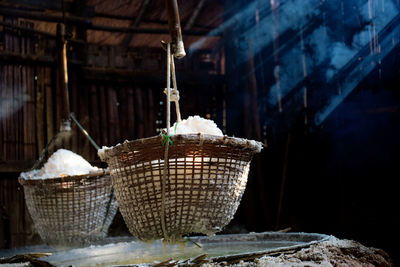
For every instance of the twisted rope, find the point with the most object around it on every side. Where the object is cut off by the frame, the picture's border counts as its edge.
(165, 169)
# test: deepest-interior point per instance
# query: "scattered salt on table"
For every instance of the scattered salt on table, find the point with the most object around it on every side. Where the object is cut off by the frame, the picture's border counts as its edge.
(62, 163)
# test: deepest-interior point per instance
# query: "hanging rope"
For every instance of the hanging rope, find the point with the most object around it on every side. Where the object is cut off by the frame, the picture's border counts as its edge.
(165, 169)
(174, 93)
(172, 96)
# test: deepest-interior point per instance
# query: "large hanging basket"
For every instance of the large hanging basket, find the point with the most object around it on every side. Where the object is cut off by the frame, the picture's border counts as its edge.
(73, 210)
(205, 180)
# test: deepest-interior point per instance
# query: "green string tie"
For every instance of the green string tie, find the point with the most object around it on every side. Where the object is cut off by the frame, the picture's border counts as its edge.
(176, 125)
(167, 138)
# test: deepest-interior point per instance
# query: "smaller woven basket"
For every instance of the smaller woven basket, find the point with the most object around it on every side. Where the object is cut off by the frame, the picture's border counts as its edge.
(73, 210)
(205, 181)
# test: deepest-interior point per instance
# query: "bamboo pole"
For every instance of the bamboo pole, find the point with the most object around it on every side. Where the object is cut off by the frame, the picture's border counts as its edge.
(63, 109)
(174, 24)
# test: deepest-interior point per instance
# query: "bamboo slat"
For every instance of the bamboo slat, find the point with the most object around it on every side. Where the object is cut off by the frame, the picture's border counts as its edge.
(17, 101)
(123, 114)
(3, 108)
(139, 113)
(103, 114)
(29, 106)
(84, 121)
(145, 106)
(131, 113)
(8, 97)
(73, 84)
(24, 92)
(95, 119)
(113, 126)
(49, 107)
(152, 113)
(1, 117)
(17, 224)
(39, 109)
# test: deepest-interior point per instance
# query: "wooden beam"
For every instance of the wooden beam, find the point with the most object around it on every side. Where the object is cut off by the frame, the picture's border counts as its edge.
(137, 21)
(149, 30)
(34, 31)
(37, 4)
(9, 12)
(89, 25)
(161, 22)
(196, 12)
(27, 30)
(140, 76)
(13, 57)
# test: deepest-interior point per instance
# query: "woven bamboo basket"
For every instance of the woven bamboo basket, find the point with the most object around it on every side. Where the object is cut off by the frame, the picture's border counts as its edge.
(205, 181)
(72, 210)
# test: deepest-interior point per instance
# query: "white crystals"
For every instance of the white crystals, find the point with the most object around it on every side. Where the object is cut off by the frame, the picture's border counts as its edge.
(196, 124)
(62, 163)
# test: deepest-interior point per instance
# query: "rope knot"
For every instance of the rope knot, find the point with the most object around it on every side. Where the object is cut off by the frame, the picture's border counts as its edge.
(174, 94)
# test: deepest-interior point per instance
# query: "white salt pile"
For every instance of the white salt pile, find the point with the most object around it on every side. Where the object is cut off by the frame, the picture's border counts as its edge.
(196, 124)
(62, 163)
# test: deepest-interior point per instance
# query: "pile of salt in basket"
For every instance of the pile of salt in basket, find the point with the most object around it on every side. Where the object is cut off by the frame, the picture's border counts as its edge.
(193, 185)
(71, 210)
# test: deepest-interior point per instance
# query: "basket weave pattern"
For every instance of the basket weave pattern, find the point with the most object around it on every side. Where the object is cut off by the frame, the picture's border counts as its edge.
(205, 182)
(72, 210)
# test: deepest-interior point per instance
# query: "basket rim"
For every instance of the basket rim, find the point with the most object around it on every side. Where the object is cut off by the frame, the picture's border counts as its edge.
(251, 145)
(92, 175)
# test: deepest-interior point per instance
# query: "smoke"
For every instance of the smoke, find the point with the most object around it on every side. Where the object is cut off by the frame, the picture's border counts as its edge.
(12, 104)
(340, 54)
(327, 51)
(293, 14)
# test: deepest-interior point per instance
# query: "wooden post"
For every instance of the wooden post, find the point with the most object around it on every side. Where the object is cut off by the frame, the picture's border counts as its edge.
(174, 24)
(62, 80)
